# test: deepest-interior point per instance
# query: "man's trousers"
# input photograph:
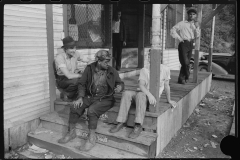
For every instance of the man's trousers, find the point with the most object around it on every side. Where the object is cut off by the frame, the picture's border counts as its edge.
(185, 54)
(140, 99)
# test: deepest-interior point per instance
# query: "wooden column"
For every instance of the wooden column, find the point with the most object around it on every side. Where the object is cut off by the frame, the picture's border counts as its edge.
(155, 55)
(163, 33)
(141, 22)
(110, 38)
(211, 43)
(65, 20)
(197, 45)
(50, 46)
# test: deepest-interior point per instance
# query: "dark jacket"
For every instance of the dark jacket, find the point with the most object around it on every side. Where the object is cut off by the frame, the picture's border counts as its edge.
(85, 83)
(122, 31)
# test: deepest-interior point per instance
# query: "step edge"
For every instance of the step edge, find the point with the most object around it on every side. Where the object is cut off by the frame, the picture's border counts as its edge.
(152, 135)
(86, 154)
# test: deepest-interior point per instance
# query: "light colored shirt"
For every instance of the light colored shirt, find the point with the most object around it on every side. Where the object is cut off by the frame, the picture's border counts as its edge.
(62, 60)
(164, 76)
(116, 26)
(187, 31)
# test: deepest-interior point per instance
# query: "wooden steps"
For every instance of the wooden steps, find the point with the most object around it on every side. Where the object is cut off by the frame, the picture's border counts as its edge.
(47, 139)
(144, 145)
(150, 120)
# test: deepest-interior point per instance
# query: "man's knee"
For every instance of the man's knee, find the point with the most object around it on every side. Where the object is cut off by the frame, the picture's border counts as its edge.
(141, 95)
(127, 94)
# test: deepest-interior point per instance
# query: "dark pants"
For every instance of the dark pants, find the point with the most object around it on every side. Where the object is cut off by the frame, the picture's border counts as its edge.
(70, 86)
(95, 109)
(117, 50)
(185, 53)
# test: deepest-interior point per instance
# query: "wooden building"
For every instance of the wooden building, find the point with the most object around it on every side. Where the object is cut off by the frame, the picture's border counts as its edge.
(32, 37)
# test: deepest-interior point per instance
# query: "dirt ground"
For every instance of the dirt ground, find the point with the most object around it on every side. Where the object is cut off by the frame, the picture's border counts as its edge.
(211, 121)
(200, 136)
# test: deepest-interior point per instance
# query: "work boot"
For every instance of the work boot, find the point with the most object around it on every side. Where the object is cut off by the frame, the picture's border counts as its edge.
(90, 143)
(69, 136)
(116, 128)
(136, 131)
(181, 82)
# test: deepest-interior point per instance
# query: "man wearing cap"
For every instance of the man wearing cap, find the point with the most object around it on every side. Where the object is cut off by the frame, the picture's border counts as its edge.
(66, 73)
(188, 31)
(119, 39)
(96, 88)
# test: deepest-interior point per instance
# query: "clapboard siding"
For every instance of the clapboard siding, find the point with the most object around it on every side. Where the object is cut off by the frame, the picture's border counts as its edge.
(26, 81)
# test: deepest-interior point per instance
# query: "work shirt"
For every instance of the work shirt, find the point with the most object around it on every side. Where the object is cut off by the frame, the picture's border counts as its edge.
(116, 26)
(99, 86)
(62, 60)
(187, 31)
(164, 76)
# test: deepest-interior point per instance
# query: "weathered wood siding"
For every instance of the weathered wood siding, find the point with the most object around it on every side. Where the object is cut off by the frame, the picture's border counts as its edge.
(26, 82)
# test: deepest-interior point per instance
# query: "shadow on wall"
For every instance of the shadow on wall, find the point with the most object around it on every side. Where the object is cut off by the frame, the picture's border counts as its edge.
(129, 57)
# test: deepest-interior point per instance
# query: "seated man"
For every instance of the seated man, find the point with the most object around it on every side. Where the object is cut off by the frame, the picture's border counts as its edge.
(67, 74)
(141, 97)
(96, 88)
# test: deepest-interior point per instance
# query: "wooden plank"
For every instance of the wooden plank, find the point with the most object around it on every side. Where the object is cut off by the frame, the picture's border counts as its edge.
(24, 73)
(26, 63)
(197, 45)
(141, 32)
(24, 24)
(50, 45)
(29, 34)
(13, 122)
(35, 6)
(25, 99)
(49, 141)
(24, 44)
(24, 19)
(18, 134)
(6, 140)
(10, 92)
(140, 145)
(15, 112)
(23, 14)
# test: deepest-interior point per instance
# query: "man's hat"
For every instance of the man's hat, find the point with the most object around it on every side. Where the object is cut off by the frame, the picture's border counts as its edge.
(68, 42)
(192, 10)
(102, 55)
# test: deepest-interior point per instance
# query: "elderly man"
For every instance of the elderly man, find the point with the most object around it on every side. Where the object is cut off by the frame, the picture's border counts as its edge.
(67, 75)
(189, 30)
(96, 88)
(141, 97)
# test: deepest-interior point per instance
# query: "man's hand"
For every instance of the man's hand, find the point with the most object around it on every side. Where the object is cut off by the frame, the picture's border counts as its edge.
(124, 43)
(118, 88)
(152, 99)
(78, 103)
(173, 104)
(181, 40)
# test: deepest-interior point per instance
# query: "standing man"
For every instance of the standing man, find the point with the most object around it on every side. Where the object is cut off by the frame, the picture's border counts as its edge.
(96, 88)
(141, 97)
(66, 73)
(118, 40)
(188, 31)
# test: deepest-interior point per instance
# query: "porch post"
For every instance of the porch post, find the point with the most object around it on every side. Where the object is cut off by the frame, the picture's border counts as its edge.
(155, 55)
(141, 31)
(110, 32)
(197, 45)
(50, 46)
(211, 43)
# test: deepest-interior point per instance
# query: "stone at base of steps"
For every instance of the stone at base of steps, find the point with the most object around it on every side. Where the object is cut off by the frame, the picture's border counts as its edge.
(48, 139)
(143, 145)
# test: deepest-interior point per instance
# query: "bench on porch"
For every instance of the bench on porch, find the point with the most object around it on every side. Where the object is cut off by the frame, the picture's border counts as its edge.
(159, 127)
